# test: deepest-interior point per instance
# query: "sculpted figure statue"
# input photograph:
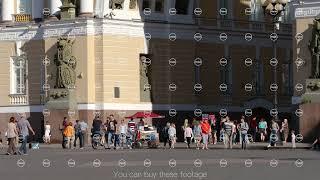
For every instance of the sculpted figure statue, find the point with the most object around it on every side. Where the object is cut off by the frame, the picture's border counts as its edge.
(314, 47)
(66, 64)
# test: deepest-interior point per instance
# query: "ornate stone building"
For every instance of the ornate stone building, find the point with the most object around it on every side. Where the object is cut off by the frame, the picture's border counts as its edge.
(143, 55)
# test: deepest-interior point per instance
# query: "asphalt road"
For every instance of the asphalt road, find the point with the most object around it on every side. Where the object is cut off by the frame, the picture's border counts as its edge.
(88, 164)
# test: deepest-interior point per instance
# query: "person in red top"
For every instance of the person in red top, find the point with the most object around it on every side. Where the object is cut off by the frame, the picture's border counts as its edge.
(253, 128)
(206, 130)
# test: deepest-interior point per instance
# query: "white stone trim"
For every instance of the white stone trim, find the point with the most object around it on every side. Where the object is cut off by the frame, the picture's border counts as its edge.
(307, 12)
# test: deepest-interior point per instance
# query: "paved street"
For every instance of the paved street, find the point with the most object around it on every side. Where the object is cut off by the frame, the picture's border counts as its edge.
(51, 162)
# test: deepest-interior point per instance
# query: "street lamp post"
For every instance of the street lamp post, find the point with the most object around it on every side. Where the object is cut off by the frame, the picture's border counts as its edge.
(274, 8)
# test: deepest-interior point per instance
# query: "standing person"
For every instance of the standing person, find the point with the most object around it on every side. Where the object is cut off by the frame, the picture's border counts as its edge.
(263, 129)
(106, 130)
(12, 134)
(172, 135)
(165, 135)
(62, 128)
(253, 129)
(47, 133)
(1, 146)
(123, 133)
(78, 133)
(116, 135)
(69, 133)
(24, 127)
(84, 129)
(111, 131)
(206, 130)
(293, 139)
(244, 127)
(188, 134)
(214, 129)
(274, 133)
(197, 132)
(285, 130)
(228, 132)
(221, 132)
(185, 124)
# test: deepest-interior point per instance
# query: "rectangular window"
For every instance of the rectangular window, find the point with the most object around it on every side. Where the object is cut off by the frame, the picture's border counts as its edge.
(116, 4)
(159, 6)
(18, 75)
(116, 92)
(182, 6)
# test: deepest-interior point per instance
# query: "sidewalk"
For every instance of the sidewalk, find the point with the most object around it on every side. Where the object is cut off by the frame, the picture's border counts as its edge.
(180, 145)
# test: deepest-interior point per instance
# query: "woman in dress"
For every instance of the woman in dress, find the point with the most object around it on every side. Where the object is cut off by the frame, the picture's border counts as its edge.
(12, 134)
(285, 130)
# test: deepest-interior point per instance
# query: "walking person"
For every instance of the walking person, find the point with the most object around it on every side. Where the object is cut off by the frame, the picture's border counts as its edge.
(262, 129)
(12, 134)
(206, 130)
(253, 129)
(47, 133)
(78, 133)
(172, 135)
(165, 134)
(197, 132)
(111, 131)
(116, 135)
(123, 133)
(84, 129)
(214, 129)
(185, 124)
(62, 128)
(69, 134)
(188, 135)
(274, 133)
(244, 127)
(284, 130)
(228, 132)
(24, 127)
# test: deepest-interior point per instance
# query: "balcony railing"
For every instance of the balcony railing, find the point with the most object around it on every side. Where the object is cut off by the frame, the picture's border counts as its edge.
(22, 17)
(19, 99)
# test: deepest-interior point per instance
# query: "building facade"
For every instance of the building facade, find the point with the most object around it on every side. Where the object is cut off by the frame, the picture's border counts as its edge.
(146, 55)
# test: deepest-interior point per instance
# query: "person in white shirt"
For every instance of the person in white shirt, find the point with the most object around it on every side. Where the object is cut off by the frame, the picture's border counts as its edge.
(172, 135)
(293, 139)
(47, 133)
(12, 133)
(188, 135)
(123, 128)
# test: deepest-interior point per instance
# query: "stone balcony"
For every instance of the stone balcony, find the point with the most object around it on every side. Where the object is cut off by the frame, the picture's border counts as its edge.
(19, 99)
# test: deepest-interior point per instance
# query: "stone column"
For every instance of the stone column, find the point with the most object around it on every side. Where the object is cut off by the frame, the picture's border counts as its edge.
(86, 8)
(37, 9)
(7, 10)
(55, 7)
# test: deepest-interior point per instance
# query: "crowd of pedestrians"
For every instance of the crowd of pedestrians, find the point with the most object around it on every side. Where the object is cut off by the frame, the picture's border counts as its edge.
(229, 132)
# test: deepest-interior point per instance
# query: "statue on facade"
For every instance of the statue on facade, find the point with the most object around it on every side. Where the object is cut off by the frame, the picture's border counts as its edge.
(314, 47)
(66, 64)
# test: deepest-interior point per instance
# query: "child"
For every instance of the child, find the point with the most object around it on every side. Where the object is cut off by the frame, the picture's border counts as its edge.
(69, 135)
(293, 139)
